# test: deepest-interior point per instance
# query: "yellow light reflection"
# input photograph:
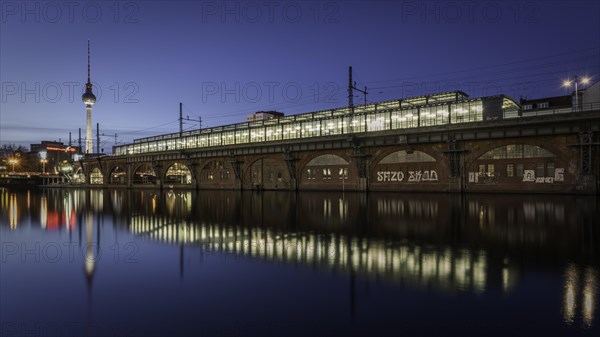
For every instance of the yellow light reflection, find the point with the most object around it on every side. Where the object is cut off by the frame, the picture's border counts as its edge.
(570, 303)
(43, 212)
(419, 265)
(90, 262)
(589, 296)
(13, 211)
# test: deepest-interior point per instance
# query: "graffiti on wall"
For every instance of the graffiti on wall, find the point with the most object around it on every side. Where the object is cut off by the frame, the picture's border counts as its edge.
(529, 176)
(409, 176)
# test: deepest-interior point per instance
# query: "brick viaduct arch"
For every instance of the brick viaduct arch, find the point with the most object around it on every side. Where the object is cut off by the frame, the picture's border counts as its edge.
(456, 165)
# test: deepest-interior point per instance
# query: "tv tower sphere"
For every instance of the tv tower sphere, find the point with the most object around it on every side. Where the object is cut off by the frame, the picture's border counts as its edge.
(88, 97)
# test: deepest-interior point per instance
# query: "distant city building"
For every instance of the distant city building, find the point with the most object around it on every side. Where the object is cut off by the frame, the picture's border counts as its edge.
(586, 97)
(53, 146)
(591, 94)
(546, 103)
(49, 156)
(262, 115)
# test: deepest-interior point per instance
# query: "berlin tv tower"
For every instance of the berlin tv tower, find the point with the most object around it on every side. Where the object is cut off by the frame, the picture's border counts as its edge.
(89, 99)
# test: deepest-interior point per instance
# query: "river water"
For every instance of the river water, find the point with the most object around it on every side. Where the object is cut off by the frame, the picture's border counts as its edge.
(226, 263)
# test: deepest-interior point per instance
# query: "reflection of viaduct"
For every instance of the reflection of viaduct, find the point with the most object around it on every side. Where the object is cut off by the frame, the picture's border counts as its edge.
(550, 153)
(443, 268)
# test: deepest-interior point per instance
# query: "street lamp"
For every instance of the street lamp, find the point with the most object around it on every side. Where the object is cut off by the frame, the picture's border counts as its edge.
(13, 161)
(576, 80)
(44, 162)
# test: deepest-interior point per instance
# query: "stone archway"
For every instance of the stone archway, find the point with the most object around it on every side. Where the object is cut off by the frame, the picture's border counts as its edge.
(96, 177)
(328, 171)
(401, 170)
(117, 176)
(517, 164)
(268, 174)
(144, 175)
(178, 174)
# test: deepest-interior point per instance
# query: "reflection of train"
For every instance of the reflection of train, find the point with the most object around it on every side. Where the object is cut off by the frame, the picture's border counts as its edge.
(425, 265)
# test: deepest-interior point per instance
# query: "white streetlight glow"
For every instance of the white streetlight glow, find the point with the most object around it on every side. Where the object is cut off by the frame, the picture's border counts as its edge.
(576, 80)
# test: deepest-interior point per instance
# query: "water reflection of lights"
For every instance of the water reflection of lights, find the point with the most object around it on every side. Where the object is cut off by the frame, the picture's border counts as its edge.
(580, 290)
(402, 262)
(183, 201)
(68, 209)
(422, 209)
(97, 200)
(89, 256)
(590, 281)
(43, 211)
(13, 211)
(508, 276)
(117, 201)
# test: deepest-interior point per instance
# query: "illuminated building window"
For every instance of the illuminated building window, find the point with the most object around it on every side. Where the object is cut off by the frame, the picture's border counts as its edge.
(404, 119)
(486, 170)
(228, 137)
(490, 170)
(326, 173)
(482, 170)
(378, 122)
(510, 170)
(343, 173)
(257, 135)
(96, 177)
(311, 174)
(178, 174)
(144, 174)
(422, 111)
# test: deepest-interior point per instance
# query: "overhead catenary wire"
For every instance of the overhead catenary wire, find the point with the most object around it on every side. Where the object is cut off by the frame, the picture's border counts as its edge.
(559, 63)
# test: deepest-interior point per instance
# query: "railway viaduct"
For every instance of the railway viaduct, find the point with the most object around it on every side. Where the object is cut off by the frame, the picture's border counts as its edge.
(556, 153)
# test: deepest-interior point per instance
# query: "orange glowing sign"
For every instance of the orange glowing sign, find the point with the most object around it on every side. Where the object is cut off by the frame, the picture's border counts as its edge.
(67, 149)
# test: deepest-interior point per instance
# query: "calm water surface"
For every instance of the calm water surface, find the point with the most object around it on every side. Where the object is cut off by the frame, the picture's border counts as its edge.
(149, 263)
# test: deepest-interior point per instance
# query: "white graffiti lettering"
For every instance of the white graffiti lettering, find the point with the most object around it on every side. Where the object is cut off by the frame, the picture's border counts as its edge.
(559, 174)
(528, 175)
(413, 176)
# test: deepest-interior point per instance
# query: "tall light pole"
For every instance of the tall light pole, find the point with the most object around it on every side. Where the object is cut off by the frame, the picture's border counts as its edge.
(13, 161)
(576, 80)
(44, 162)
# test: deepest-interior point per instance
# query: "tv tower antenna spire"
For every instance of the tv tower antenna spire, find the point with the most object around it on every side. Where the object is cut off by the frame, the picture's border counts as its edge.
(88, 99)
(89, 62)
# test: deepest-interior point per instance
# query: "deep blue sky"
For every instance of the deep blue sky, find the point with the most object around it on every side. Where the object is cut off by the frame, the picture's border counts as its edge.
(147, 56)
